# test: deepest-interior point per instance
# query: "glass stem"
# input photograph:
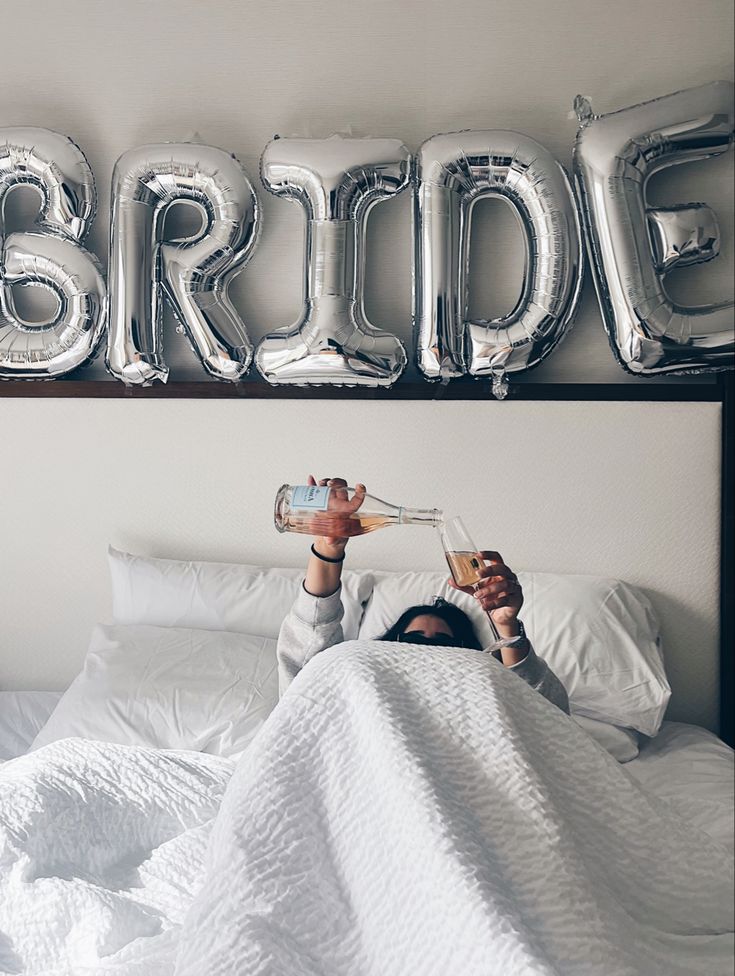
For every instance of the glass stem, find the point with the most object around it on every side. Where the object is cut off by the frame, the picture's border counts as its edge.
(494, 629)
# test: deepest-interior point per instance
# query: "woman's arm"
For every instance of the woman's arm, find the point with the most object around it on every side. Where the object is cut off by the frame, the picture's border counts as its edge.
(313, 624)
(537, 673)
(324, 569)
(500, 595)
(315, 620)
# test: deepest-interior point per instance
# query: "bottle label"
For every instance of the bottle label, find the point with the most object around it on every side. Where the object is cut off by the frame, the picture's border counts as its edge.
(313, 498)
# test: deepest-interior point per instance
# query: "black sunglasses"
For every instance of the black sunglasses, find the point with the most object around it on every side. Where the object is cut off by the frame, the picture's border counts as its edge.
(440, 640)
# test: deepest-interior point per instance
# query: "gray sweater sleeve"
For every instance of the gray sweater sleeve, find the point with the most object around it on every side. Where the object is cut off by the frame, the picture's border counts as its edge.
(315, 623)
(537, 673)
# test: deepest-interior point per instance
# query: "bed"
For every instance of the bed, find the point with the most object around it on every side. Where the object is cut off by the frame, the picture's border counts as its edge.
(142, 832)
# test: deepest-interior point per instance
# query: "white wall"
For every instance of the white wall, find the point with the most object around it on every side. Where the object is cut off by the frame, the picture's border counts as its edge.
(118, 74)
(616, 489)
(553, 486)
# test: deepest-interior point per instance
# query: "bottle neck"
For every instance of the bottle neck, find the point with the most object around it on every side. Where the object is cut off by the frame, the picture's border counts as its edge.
(420, 516)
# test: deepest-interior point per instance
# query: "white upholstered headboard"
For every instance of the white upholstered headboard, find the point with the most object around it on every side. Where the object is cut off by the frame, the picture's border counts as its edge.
(619, 489)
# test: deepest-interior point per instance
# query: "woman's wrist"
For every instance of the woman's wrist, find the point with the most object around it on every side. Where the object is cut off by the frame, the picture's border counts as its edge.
(514, 655)
(324, 570)
(329, 550)
(509, 629)
(332, 560)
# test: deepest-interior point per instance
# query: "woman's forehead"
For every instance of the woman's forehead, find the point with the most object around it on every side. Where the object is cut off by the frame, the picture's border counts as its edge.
(431, 620)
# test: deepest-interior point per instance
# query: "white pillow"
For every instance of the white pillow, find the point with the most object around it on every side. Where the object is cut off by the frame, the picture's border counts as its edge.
(599, 636)
(217, 596)
(170, 688)
(623, 744)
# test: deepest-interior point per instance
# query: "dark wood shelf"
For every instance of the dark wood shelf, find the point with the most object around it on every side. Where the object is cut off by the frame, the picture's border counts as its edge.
(459, 389)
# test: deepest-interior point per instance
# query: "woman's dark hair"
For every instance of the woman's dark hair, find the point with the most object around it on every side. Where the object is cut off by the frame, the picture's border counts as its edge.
(457, 619)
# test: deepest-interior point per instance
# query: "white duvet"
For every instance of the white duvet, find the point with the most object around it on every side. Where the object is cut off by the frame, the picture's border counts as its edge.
(101, 850)
(403, 811)
(417, 811)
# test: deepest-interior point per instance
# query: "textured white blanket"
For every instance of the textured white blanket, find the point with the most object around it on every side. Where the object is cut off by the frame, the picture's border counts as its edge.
(101, 850)
(423, 812)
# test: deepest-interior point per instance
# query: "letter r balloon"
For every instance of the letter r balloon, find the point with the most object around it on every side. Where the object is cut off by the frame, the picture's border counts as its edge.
(193, 274)
(337, 181)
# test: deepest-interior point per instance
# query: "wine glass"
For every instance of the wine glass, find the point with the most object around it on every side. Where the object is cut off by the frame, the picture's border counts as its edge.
(464, 563)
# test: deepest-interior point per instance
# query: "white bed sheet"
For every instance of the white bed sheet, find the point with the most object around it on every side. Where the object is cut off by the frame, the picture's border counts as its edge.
(695, 771)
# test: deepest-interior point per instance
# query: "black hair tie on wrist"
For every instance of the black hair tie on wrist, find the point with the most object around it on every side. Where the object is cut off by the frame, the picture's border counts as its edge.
(327, 559)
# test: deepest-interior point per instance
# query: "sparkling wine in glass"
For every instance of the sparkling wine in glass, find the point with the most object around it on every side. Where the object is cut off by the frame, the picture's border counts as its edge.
(464, 562)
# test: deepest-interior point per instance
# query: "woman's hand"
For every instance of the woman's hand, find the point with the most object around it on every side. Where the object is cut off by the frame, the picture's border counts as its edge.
(339, 502)
(323, 575)
(498, 592)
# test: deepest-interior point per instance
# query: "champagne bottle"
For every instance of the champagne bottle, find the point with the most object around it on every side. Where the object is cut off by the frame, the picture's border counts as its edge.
(324, 511)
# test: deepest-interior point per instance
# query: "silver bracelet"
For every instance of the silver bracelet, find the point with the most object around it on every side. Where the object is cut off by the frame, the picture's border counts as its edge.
(516, 641)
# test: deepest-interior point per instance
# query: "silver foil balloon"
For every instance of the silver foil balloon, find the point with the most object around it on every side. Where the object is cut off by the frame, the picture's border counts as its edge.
(193, 274)
(337, 181)
(453, 172)
(632, 246)
(49, 257)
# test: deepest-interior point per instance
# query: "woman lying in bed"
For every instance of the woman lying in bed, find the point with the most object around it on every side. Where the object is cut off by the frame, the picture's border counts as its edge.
(314, 622)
